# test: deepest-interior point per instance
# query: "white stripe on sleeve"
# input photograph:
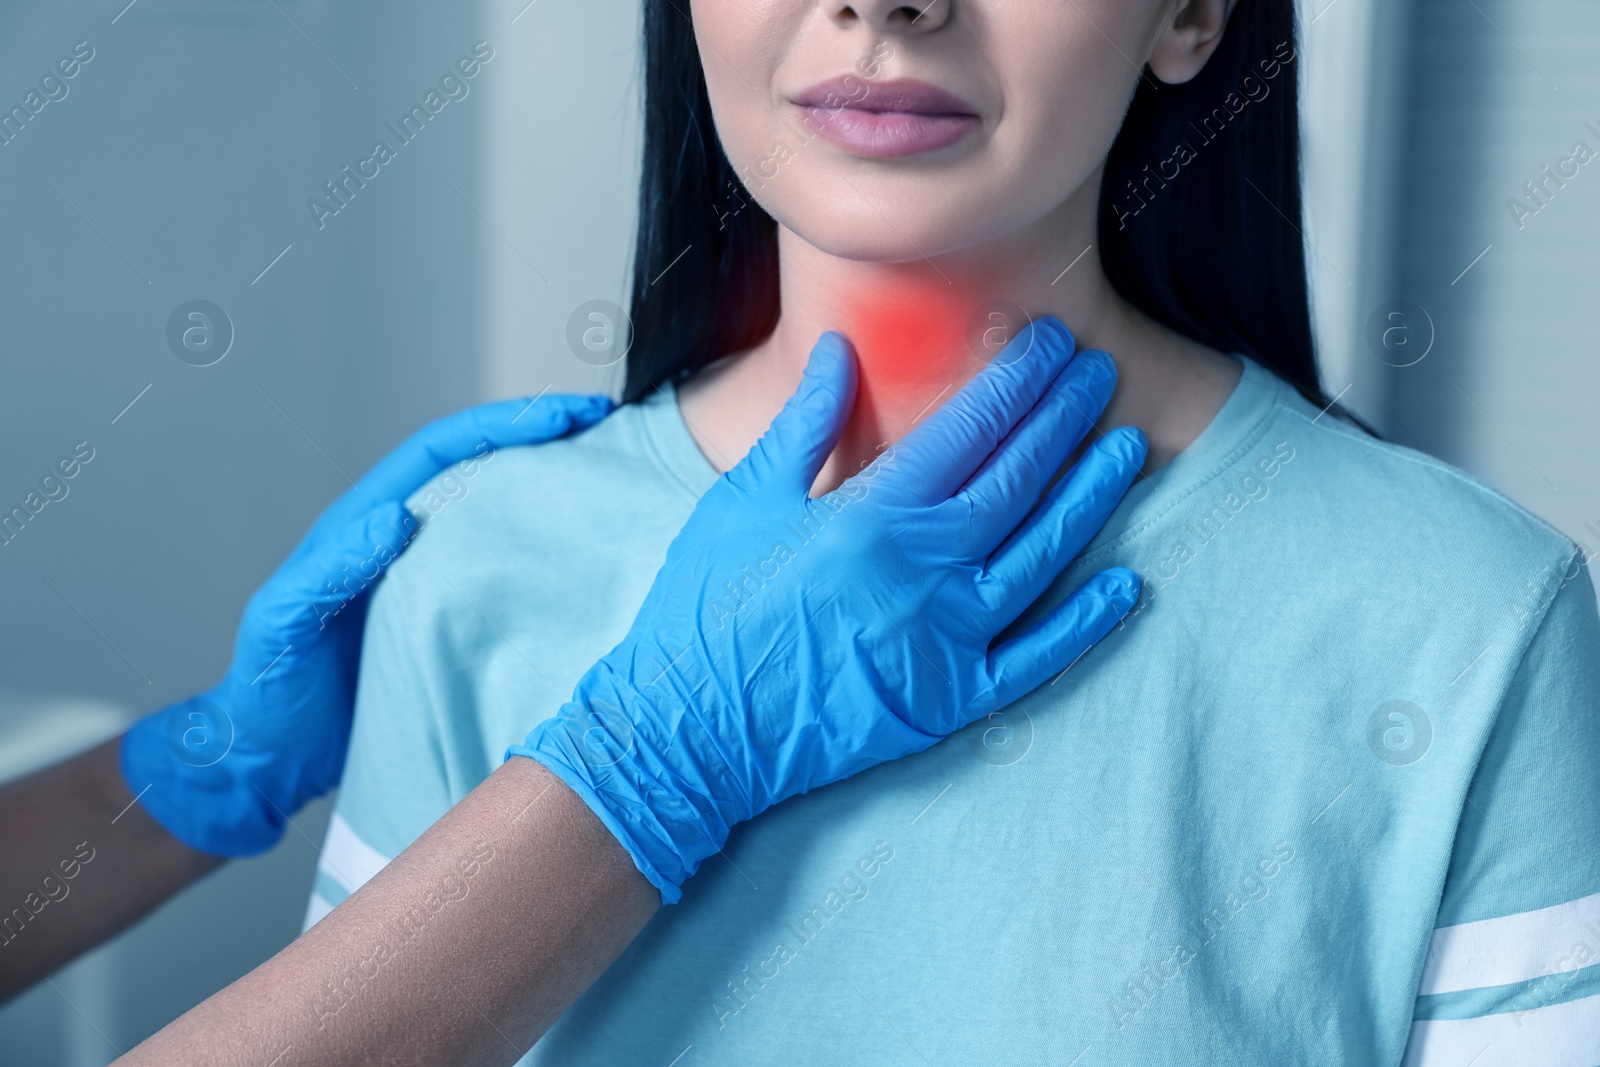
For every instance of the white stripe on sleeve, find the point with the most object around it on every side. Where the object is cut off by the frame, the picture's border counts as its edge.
(315, 910)
(1514, 948)
(346, 858)
(1558, 1035)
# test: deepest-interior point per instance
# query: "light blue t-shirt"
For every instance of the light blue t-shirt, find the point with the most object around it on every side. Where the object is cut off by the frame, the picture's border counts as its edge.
(1331, 795)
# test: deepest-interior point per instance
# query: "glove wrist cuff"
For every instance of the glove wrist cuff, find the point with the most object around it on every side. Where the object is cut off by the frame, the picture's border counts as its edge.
(659, 798)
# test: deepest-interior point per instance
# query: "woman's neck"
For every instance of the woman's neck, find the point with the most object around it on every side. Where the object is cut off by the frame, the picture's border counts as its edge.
(916, 325)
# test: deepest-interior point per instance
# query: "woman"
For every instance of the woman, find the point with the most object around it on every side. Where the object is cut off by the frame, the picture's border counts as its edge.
(1327, 796)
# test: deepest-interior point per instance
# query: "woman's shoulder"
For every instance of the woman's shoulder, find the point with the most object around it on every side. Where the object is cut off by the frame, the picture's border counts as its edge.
(567, 507)
(630, 459)
(1399, 500)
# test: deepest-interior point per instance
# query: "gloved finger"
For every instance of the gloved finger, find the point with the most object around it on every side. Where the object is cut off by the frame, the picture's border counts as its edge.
(1011, 480)
(503, 423)
(792, 451)
(303, 598)
(1055, 642)
(473, 432)
(941, 453)
(1065, 521)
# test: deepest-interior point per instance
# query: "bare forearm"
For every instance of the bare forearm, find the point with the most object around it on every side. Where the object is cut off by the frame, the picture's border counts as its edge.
(464, 949)
(82, 863)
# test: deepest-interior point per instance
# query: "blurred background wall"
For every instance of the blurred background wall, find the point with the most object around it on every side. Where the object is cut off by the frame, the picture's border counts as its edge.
(178, 167)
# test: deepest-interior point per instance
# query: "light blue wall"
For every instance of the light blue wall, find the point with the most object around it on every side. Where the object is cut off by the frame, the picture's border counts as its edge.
(188, 148)
(1496, 90)
(191, 143)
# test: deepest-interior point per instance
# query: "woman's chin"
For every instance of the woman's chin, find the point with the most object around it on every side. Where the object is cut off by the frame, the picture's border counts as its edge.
(903, 225)
(874, 238)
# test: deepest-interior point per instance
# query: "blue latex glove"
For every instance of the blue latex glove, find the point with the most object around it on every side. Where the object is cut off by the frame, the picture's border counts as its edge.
(790, 642)
(224, 770)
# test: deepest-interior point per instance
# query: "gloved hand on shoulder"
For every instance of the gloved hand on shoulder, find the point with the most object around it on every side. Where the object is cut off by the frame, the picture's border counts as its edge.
(224, 770)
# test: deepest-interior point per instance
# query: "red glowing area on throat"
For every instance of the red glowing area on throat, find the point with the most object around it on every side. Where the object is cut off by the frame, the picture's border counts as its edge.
(913, 352)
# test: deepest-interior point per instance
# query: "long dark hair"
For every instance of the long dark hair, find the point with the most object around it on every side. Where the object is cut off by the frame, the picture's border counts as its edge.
(1199, 225)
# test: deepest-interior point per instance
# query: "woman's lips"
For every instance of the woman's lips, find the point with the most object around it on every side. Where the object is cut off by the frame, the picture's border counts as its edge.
(882, 120)
(886, 134)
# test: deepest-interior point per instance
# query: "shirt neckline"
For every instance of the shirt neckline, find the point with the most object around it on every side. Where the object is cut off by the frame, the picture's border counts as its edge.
(667, 433)
(1233, 429)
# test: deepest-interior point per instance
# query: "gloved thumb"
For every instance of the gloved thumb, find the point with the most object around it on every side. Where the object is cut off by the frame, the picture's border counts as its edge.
(800, 439)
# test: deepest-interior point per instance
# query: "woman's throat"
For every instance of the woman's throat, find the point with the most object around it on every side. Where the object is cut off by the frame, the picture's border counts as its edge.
(917, 343)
